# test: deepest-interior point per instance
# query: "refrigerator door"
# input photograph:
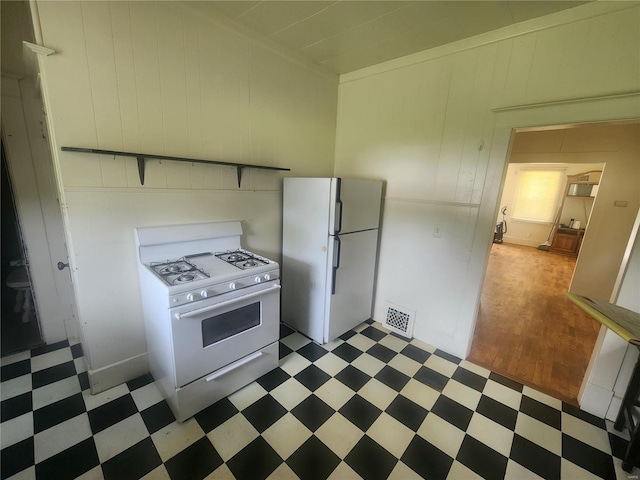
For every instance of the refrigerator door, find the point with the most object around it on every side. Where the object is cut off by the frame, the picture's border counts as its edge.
(356, 205)
(305, 267)
(349, 292)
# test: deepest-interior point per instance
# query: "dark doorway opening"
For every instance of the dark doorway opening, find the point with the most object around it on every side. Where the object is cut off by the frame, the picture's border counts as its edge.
(20, 328)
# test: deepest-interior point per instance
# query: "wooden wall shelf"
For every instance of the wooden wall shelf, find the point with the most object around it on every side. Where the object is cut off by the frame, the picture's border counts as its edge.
(566, 240)
(142, 158)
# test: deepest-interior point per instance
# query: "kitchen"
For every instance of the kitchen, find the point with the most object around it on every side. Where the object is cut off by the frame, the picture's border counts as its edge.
(202, 90)
(105, 202)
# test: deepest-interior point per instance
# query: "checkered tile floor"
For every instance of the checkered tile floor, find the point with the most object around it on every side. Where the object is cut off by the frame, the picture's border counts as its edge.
(369, 405)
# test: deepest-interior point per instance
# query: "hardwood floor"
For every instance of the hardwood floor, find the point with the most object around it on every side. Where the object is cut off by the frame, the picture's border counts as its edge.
(527, 329)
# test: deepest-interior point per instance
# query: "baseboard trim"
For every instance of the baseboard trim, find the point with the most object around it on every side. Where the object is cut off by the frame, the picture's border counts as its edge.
(596, 400)
(104, 378)
(523, 242)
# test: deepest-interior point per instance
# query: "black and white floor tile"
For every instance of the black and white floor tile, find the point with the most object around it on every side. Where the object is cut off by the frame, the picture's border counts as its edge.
(369, 405)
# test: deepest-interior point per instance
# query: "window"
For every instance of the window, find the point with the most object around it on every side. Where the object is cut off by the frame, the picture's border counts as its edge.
(537, 195)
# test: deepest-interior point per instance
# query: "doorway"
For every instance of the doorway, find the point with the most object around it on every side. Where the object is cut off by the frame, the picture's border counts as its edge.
(20, 328)
(538, 337)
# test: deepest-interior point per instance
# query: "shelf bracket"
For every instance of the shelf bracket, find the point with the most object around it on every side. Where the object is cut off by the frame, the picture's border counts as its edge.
(239, 173)
(141, 166)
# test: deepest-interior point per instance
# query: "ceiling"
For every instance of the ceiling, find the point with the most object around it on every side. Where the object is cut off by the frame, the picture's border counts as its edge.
(347, 35)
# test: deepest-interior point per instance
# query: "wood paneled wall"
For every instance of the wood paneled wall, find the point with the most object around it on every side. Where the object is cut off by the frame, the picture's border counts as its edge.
(425, 124)
(161, 77)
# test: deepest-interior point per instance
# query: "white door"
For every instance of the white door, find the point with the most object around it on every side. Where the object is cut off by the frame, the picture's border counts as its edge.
(349, 294)
(29, 160)
(52, 213)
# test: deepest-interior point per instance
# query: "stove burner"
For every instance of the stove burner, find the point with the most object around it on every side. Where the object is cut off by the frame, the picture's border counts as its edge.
(242, 259)
(178, 271)
(174, 268)
(185, 278)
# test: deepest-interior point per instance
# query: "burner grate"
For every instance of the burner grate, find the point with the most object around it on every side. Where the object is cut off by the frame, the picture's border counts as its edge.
(242, 259)
(178, 271)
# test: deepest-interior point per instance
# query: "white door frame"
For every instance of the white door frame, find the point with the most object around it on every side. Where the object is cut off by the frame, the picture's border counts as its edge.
(25, 137)
(507, 120)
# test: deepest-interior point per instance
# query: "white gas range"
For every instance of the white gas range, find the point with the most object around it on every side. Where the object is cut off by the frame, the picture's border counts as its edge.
(211, 312)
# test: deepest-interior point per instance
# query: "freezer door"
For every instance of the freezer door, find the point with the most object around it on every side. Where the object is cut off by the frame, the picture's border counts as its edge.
(349, 293)
(356, 205)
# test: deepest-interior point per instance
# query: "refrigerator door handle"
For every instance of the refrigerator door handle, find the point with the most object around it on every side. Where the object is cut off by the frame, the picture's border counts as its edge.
(339, 203)
(337, 264)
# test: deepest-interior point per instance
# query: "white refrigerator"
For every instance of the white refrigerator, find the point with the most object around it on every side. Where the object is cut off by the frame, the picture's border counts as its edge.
(329, 252)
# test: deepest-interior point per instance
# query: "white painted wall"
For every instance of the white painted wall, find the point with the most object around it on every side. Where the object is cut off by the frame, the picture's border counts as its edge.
(526, 233)
(158, 77)
(424, 124)
(629, 294)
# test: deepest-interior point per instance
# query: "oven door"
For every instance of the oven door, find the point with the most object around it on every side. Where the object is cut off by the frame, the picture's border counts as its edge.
(216, 332)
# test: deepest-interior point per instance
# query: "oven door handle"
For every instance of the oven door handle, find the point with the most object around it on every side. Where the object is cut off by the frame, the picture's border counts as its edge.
(233, 366)
(193, 313)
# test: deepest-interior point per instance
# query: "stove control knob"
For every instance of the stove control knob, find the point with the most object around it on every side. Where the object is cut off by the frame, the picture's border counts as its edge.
(191, 296)
(267, 277)
(232, 286)
(257, 279)
(204, 293)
